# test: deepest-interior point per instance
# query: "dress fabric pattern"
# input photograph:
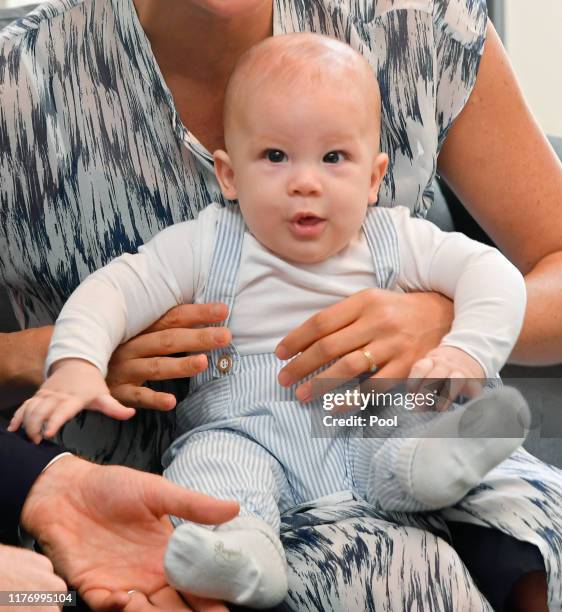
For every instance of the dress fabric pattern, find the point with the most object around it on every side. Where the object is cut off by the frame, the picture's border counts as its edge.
(94, 158)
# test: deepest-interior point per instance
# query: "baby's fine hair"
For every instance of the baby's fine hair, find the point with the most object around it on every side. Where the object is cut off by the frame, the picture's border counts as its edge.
(302, 62)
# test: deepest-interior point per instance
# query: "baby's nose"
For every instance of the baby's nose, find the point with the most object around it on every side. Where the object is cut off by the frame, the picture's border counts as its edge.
(304, 182)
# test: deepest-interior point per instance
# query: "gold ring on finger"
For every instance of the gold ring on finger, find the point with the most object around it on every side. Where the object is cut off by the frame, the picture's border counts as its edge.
(371, 360)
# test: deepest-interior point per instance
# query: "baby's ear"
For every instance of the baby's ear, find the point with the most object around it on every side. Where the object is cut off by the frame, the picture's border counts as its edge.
(225, 174)
(380, 164)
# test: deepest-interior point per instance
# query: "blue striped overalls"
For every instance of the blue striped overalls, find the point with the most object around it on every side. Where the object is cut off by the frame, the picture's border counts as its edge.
(247, 438)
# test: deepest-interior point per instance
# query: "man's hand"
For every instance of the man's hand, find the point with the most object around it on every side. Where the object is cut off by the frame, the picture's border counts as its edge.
(23, 570)
(105, 528)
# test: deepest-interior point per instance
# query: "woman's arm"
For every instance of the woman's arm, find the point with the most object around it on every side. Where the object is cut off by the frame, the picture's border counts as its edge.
(501, 166)
(22, 357)
(499, 163)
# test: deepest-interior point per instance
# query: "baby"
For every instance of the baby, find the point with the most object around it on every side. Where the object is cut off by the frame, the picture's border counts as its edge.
(302, 120)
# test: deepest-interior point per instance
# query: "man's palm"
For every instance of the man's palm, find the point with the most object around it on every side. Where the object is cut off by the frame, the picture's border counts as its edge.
(106, 528)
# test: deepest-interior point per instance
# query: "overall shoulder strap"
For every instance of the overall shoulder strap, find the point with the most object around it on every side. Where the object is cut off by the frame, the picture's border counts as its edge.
(382, 239)
(225, 260)
(222, 278)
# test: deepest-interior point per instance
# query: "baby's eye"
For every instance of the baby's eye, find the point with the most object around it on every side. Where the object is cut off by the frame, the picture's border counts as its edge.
(275, 156)
(334, 157)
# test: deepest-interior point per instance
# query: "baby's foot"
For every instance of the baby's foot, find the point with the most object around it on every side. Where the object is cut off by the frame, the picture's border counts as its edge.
(460, 447)
(241, 562)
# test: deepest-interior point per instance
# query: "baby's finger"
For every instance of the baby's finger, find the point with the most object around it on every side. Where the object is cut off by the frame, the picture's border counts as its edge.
(17, 418)
(418, 373)
(452, 387)
(473, 387)
(436, 381)
(106, 601)
(63, 412)
(38, 413)
(457, 382)
(108, 405)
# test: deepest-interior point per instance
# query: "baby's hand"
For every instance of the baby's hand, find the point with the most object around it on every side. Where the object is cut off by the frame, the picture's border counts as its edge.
(447, 363)
(73, 385)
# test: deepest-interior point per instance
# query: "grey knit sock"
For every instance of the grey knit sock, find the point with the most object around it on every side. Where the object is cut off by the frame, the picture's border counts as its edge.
(460, 447)
(240, 562)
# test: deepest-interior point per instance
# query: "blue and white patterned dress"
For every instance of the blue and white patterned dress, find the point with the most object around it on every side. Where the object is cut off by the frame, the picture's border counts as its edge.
(94, 160)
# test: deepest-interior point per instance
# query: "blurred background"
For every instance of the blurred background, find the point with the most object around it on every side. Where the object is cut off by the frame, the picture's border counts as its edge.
(531, 32)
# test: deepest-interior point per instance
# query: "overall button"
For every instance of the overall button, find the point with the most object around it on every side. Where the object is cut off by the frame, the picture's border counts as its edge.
(224, 363)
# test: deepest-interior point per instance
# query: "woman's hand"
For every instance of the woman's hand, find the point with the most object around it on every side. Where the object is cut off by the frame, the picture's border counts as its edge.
(396, 329)
(143, 358)
(148, 355)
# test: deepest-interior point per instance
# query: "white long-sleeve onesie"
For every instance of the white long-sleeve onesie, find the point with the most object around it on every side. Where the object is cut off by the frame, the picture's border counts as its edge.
(274, 296)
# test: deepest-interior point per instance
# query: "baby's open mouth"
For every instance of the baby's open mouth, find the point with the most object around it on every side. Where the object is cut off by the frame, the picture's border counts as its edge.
(309, 220)
(307, 225)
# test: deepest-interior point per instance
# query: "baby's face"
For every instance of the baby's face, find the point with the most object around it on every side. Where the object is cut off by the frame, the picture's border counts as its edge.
(304, 165)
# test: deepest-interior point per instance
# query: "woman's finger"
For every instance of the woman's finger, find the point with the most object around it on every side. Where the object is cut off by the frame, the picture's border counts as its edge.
(390, 374)
(170, 341)
(191, 315)
(157, 368)
(326, 349)
(320, 325)
(143, 397)
(391, 370)
(348, 367)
